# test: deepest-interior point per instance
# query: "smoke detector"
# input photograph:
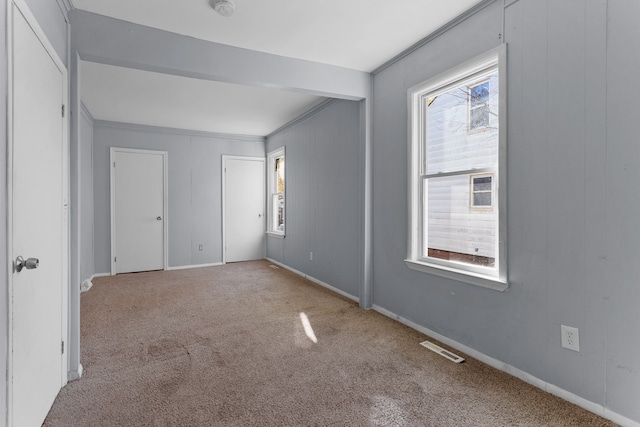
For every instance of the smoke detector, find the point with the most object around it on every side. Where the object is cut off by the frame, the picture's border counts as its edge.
(224, 7)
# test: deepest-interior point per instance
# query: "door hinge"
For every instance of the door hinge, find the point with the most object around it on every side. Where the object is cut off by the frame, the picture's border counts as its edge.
(114, 164)
(62, 110)
(62, 347)
(114, 259)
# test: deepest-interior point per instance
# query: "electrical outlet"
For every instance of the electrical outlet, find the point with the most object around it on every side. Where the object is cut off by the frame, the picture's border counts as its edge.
(570, 338)
(310, 256)
(200, 247)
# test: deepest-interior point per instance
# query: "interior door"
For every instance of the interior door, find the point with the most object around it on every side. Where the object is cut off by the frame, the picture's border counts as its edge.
(37, 221)
(244, 196)
(138, 210)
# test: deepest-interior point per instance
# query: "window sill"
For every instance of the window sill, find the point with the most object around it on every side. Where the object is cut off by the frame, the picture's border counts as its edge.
(277, 235)
(459, 275)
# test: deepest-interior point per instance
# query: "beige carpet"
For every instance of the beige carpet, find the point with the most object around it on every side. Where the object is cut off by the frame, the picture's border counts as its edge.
(227, 346)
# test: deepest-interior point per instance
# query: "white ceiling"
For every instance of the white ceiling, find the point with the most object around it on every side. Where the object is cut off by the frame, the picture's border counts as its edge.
(356, 34)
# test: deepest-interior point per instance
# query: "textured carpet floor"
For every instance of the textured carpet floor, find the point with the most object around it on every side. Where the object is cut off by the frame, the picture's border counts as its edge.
(227, 346)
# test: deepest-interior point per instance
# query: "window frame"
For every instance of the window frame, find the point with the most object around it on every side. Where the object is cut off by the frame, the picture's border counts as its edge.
(417, 97)
(272, 187)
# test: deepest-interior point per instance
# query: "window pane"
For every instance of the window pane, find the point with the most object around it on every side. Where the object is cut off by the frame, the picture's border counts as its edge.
(280, 175)
(482, 199)
(479, 118)
(479, 113)
(479, 95)
(454, 232)
(482, 183)
(278, 212)
(450, 145)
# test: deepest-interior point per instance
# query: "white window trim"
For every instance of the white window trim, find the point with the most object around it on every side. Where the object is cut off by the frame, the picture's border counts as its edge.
(474, 275)
(280, 152)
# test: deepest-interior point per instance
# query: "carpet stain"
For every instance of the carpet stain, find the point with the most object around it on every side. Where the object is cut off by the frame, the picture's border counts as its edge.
(168, 364)
(161, 350)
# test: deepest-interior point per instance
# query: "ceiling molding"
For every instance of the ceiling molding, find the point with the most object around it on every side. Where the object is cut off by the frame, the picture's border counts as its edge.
(175, 131)
(68, 6)
(304, 116)
(86, 113)
(446, 27)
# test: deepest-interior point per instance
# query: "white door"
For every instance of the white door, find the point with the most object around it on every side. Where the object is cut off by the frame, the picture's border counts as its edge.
(38, 222)
(244, 222)
(138, 195)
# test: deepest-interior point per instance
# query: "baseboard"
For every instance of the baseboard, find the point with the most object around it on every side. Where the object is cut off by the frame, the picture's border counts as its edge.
(186, 267)
(86, 285)
(314, 280)
(75, 375)
(518, 373)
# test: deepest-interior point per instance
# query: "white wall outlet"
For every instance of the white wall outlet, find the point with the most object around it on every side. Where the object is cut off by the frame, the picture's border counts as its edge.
(200, 247)
(570, 338)
(310, 256)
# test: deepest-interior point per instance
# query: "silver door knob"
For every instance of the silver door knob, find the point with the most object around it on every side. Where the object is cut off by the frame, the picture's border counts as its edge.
(29, 264)
(159, 218)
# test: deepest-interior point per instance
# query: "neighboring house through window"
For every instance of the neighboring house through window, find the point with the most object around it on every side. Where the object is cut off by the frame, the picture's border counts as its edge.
(457, 197)
(276, 182)
(479, 108)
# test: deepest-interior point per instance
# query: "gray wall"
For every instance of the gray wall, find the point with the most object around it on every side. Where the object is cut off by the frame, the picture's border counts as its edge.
(572, 209)
(85, 196)
(615, 211)
(52, 17)
(323, 197)
(195, 187)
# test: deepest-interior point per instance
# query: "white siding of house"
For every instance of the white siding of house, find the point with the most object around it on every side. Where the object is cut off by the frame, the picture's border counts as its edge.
(453, 225)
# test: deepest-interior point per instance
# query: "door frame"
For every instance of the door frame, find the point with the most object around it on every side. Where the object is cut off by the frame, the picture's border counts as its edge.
(165, 198)
(22, 7)
(224, 196)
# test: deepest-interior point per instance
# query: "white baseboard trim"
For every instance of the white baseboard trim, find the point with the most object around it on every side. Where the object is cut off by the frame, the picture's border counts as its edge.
(186, 267)
(75, 375)
(314, 280)
(86, 285)
(528, 378)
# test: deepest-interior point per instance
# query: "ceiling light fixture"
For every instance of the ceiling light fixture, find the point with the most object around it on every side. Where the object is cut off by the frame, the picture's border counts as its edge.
(224, 7)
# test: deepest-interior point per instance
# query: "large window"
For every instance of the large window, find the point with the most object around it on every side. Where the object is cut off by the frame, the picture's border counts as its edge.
(276, 192)
(457, 167)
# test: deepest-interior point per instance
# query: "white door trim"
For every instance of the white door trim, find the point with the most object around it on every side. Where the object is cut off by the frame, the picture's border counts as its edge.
(22, 7)
(165, 208)
(224, 197)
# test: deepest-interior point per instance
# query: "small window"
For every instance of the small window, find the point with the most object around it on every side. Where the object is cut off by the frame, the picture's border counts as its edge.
(457, 165)
(276, 181)
(479, 110)
(481, 191)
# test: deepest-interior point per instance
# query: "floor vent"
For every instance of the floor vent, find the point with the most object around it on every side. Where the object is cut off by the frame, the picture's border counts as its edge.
(275, 267)
(442, 352)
